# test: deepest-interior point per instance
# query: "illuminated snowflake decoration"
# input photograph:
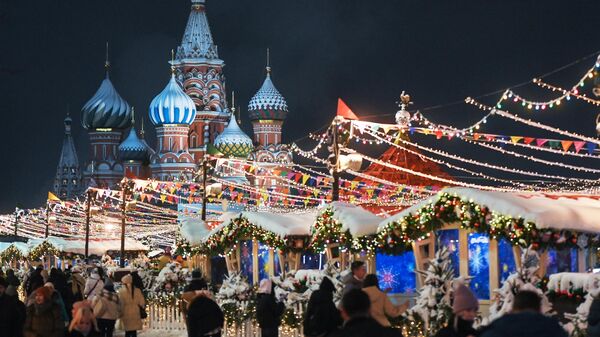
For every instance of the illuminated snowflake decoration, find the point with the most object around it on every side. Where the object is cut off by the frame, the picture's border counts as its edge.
(387, 278)
(477, 260)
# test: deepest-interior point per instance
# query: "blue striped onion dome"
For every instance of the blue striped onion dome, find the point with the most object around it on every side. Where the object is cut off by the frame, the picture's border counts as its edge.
(172, 106)
(233, 142)
(132, 148)
(106, 109)
(267, 103)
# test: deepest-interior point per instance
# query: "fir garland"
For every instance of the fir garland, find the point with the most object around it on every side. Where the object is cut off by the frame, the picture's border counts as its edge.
(11, 254)
(43, 249)
(291, 319)
(327, 230)
(448, 209)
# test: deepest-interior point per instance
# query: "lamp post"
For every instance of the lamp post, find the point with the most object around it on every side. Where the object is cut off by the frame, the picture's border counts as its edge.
(126, 186)
(204, 177)
(16, 220)
(88, 215)
(334, 159)
(47, 232)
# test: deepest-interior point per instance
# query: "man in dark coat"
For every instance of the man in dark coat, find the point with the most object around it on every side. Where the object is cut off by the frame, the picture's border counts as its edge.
(35, 280)
(357, 321)
(321, 316)
(354, 280)
(9, 312)
(268, 310)
(204, 317)
(525, 320)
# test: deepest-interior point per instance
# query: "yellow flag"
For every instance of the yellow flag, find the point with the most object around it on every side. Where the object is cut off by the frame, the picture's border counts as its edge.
(52, 197)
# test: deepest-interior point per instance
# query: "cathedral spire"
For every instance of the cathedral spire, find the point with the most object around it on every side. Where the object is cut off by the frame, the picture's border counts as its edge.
(197, 42)
(67, 182)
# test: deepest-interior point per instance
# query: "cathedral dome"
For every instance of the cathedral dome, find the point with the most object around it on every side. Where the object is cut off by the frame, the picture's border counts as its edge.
(233, 142)
(132, 148)
(106, 109)
(267, 103)
(172, 106)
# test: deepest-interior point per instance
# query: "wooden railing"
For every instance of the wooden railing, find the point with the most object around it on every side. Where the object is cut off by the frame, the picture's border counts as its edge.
(170, 318)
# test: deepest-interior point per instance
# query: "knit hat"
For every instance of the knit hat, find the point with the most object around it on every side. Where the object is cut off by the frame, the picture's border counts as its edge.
(464, 299)
(49, 285)
(265, 286)
(127, 279)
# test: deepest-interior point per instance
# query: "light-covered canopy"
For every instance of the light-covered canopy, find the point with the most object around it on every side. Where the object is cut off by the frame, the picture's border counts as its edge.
(96, 247)
(577, 212)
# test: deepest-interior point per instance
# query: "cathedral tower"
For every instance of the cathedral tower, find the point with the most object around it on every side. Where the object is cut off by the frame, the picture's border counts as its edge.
(200, 72)
(67, 183)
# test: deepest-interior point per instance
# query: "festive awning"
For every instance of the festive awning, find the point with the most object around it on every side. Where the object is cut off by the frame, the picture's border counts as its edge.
(558, 211)
(96, 247)
(355, 219)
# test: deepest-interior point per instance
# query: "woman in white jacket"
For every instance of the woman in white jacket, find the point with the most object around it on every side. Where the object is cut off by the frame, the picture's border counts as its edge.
(132, 301)
(93, 286)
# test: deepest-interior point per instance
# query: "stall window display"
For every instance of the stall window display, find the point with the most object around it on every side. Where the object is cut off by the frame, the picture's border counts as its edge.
(506, 260)
(264, 269)
(479, 264)
(218, 269)
(246, 259)
(312, 260)
(449, 239)
(397, 272)
(562, 260)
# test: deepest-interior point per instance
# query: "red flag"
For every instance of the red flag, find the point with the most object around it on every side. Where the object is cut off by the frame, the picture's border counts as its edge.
(344, 111)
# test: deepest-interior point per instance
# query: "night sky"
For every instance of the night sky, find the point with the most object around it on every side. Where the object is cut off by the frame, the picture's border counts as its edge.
(367, 52)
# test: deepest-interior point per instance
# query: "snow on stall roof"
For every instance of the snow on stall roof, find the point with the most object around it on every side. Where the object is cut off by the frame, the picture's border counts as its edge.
(96, 247)
(578, 212)
(358, 220)
(23, 247)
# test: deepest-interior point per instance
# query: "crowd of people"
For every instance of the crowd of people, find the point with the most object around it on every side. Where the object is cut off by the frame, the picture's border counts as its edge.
(66, 304)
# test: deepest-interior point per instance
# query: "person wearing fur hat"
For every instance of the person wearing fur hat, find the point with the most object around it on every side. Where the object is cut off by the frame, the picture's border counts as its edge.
(84, 322)
(464, 310)
(107, 310)
(132, 302)
(268, 310)
(43, 318)
(77, 283)
(93, 285)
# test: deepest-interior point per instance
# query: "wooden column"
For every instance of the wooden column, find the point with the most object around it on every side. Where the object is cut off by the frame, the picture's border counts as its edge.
(271, 262)
(463, 252)
(423, 250)
(494, 266)
(543, 264)
(582, 259)
(517, 255)
(255, 276)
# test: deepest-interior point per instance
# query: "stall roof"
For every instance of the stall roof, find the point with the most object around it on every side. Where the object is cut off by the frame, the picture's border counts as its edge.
(96, 247)
(578, 212)
(356, 219)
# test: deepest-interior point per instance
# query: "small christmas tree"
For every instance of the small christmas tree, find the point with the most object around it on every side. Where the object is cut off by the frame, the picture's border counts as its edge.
(433, 308)
(524, 278)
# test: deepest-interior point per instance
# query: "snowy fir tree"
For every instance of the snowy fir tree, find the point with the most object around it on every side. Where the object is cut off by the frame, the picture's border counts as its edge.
(524, 278)
(433, 309)
(577, 325)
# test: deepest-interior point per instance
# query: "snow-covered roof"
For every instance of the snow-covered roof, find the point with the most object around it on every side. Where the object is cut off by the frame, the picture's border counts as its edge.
(358, 220)
(23, 247)
(96, 247)
(578, 212)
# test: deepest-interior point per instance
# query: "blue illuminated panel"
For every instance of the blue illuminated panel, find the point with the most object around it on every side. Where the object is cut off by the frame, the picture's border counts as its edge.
(312, 261)
(396, 272)
(246, 259)
(506, 260)
(263, 262)
(562, 260)
(479, 264)
(449, 239)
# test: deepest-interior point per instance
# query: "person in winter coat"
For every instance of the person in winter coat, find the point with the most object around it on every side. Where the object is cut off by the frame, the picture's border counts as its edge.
(268, 311)
(77, 283)
(13, 283)
(321, 316)
(132, 301)
(593, 319)
(34, 281)
(137, 281)
(84, 322)
(93, 285)
(204, 317)
(196, 283)
(59, 280)
(56, 298)
(381, 306)
(9, 312)
(357, 321)
(525, 320)
(43, 318)
(464, 310)
(107, 310)
(354, 280)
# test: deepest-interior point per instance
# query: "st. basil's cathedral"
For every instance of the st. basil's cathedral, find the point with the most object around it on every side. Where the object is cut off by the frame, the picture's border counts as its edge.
(191, 115)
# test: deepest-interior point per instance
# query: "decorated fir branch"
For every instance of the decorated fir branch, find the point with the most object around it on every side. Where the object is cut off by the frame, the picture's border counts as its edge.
(237, 299)
(432, 309)
(11, 253)
(43, 249)
(327, 230)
